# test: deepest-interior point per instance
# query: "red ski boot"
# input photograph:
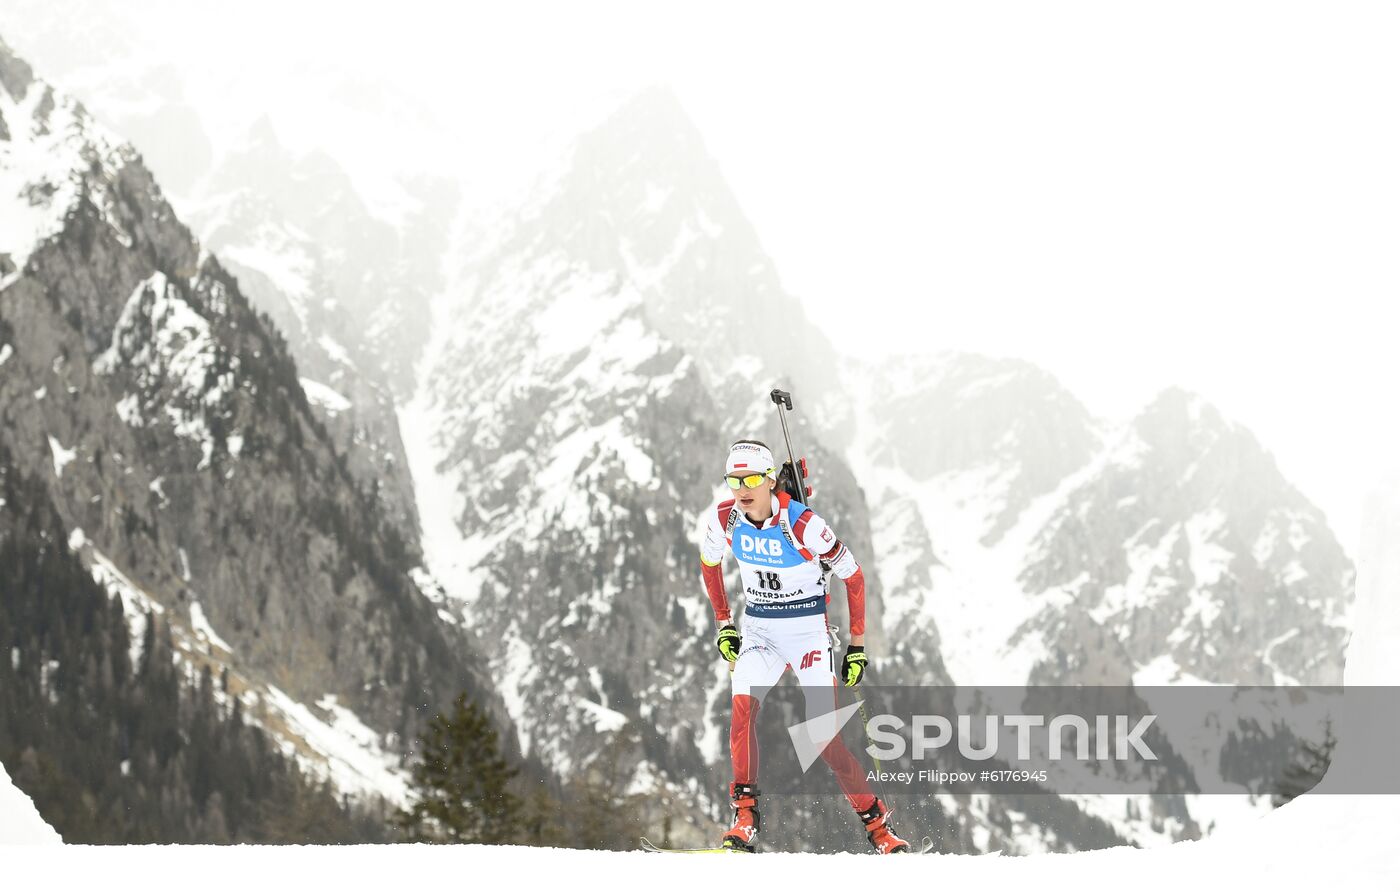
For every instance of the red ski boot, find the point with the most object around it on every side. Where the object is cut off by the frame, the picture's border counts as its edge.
(877, 829)
(745, 801)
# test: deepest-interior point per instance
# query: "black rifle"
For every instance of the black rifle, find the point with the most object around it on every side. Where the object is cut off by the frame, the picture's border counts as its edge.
(792, 478)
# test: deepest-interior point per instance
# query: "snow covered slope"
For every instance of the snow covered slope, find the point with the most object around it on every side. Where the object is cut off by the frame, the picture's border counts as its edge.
(1316, 842)
(20, 823)
(46, 147)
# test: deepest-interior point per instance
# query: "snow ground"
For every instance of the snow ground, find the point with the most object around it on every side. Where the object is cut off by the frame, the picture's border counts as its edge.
(20, 823)
(1312, 843)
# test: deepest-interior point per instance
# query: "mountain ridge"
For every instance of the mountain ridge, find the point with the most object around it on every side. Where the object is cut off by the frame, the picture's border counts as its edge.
(167, 419)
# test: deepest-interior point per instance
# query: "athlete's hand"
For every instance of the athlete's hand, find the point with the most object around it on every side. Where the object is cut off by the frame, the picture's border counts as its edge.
(728, 642)
(853, 665)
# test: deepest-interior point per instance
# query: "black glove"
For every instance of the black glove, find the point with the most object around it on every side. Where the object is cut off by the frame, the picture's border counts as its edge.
(853, 666)
(728, 642)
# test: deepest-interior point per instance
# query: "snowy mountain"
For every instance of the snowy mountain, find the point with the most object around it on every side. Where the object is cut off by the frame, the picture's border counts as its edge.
(300, 220)
(566, 381)
(346, 287)
(279, 223)
(577, 389)
(575, 400)
(178, 443)
(1065, 550)
(572, 403)
(1046, 547)
(956, 450)
(1229, 574)
(101, 55)
(640, 198)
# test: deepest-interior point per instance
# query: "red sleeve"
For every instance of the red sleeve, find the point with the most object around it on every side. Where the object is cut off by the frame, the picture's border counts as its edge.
(855, 598)
(714, 587)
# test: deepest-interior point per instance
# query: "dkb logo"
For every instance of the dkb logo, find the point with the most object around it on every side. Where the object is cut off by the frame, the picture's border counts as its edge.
(760, 546)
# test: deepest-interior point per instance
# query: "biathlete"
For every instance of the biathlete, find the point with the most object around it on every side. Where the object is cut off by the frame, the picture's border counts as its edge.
(780, 545)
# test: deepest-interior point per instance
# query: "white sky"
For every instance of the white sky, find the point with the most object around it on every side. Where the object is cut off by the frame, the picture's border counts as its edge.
(1131, 195)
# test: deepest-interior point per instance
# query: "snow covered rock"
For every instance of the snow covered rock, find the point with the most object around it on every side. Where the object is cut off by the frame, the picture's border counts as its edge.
(346, 290)
(167, 418)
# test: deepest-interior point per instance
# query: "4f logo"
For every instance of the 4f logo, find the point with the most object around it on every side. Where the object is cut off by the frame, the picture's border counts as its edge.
(811, 659)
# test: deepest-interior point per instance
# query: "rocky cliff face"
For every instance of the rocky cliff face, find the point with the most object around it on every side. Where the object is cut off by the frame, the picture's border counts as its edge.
(308, 253)
(299, 219)
(179, 445)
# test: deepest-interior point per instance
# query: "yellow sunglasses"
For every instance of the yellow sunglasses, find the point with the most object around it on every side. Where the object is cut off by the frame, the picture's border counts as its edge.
(751, 481)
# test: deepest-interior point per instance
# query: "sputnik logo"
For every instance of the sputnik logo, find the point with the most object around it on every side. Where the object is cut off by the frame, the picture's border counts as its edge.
(811, 737)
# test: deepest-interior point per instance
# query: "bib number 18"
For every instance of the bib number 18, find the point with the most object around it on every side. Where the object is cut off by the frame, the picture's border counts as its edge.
(770, 580)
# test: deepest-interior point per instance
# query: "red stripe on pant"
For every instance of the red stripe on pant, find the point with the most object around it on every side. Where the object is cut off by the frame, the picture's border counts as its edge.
(743, 755)
(743, 739)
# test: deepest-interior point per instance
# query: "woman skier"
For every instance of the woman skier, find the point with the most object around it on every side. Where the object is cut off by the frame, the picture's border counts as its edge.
(780, 545)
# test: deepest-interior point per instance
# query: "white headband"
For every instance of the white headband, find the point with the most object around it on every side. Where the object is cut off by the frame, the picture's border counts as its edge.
(751, 459)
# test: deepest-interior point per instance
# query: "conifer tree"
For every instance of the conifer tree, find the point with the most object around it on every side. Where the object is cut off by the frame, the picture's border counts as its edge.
(461, 782)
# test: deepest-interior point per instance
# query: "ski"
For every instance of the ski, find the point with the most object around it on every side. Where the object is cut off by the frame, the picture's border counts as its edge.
(649, 846)
(925, 848)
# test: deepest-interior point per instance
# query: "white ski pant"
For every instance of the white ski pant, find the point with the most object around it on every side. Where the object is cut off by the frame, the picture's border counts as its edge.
(772, 645)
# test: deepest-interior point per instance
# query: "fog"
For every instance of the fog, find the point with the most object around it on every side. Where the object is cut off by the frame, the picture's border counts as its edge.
(1198, 194)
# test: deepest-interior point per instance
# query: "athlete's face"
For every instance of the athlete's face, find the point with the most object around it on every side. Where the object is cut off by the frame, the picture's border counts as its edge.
(757, 500)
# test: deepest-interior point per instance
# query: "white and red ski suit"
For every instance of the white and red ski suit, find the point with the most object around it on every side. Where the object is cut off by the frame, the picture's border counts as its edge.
(784, 624)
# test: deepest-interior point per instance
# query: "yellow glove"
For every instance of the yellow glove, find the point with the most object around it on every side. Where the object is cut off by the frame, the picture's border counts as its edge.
(728, 642)
(853, 666)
